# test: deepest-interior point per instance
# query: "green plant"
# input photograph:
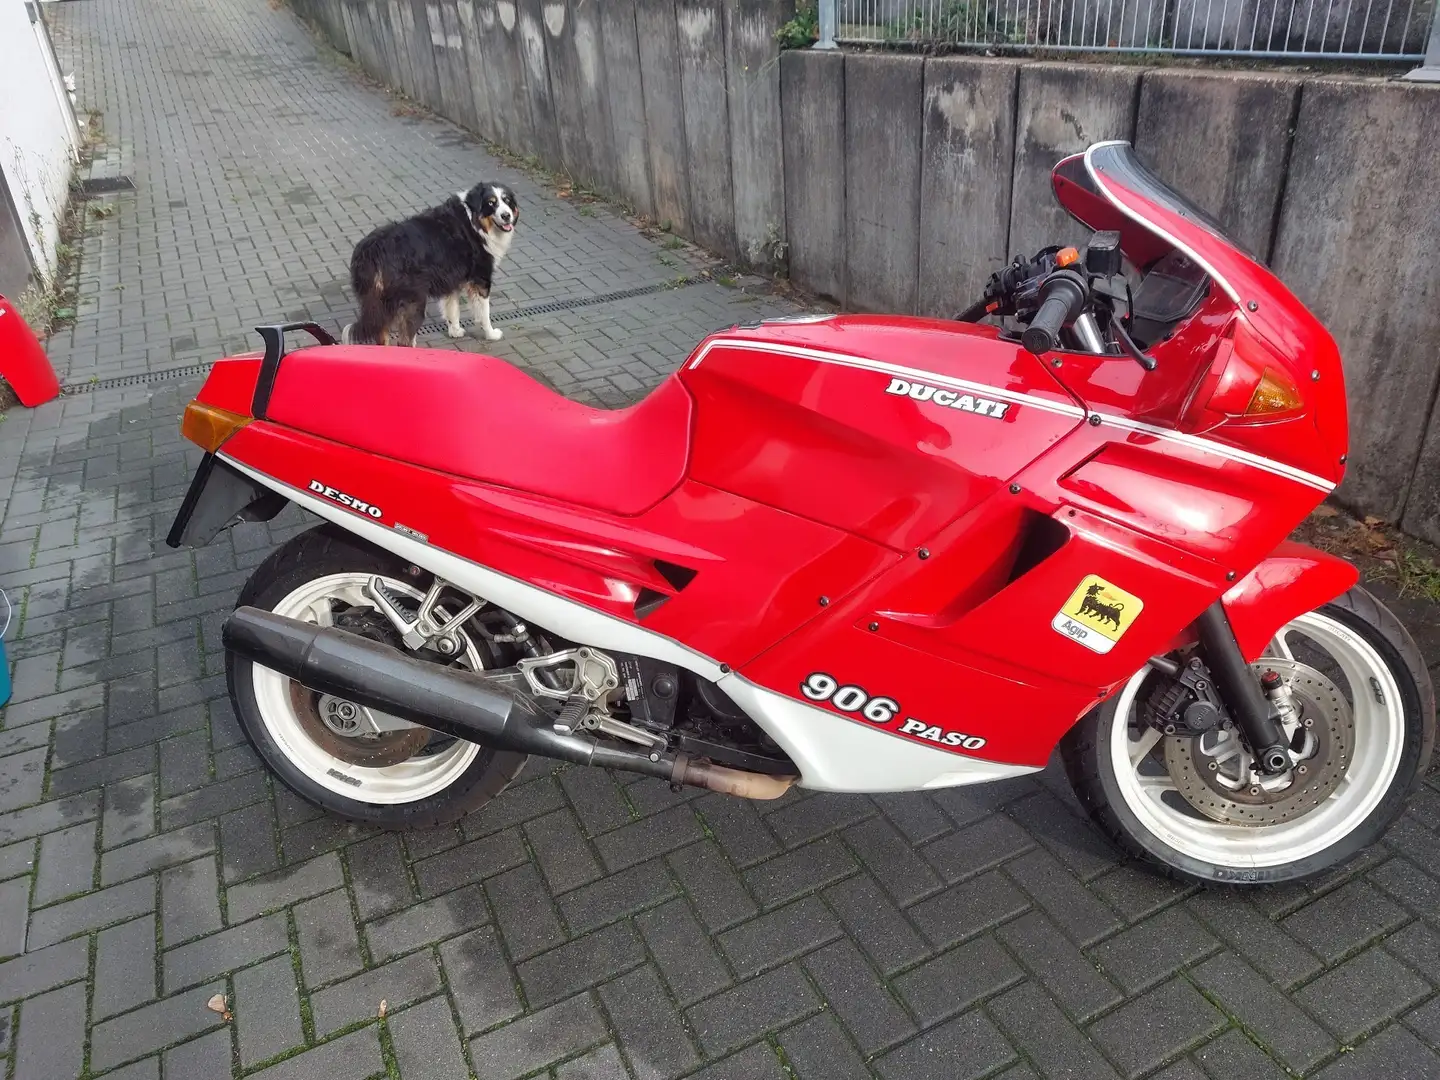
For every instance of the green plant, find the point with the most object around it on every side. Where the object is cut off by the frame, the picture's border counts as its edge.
(1412, 575)
(959, 20)
(801, 31)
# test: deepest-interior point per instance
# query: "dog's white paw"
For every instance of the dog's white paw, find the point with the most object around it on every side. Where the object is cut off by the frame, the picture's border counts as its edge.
(494, 335)
(456, 331)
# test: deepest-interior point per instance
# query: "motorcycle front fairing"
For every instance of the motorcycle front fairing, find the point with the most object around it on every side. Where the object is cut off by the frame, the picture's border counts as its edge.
(1249, 321)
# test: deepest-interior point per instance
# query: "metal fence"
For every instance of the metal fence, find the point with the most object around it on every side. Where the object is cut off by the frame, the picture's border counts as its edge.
(1298, 29)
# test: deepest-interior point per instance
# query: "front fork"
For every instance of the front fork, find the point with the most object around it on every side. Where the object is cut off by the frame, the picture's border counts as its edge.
(1254, 714)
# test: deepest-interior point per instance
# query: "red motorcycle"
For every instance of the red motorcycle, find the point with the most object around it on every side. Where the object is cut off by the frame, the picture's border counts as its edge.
(854, 553)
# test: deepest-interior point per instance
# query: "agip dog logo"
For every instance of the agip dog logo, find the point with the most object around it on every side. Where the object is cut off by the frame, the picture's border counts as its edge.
(1097, 614)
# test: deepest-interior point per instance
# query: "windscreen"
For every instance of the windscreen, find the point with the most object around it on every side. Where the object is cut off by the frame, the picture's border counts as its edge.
(1108, 187)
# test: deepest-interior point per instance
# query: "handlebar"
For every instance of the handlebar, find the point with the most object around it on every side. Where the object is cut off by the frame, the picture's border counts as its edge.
(1063, 294)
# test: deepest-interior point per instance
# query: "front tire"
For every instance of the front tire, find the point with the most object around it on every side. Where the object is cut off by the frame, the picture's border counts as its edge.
(1364, 684)
(314, 577)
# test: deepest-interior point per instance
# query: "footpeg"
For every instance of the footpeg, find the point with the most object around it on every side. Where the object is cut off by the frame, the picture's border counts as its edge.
(572, 715)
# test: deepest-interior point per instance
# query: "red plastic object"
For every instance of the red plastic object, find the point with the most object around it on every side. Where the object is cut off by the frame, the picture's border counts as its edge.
(22, 361)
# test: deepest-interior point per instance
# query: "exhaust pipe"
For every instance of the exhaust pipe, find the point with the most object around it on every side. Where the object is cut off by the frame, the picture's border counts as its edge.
(457, 703)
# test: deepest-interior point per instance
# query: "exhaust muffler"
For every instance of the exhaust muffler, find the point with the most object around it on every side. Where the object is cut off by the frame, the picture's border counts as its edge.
(457, 703)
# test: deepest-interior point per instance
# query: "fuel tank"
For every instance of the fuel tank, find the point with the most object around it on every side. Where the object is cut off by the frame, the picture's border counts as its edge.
(817, 416)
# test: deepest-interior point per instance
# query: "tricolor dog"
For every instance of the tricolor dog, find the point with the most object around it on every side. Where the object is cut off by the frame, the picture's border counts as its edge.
(438, 254)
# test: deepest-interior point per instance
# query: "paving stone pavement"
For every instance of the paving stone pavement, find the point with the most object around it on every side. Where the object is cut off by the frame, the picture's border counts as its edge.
(584, 925)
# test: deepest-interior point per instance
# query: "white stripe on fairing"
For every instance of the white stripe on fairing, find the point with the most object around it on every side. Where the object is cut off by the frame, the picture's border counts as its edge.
(1244, 457)
(833, 753)
(1193, 442)
(1064, 408)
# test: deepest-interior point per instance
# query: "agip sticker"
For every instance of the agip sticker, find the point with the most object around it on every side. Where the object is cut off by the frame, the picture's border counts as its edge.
(1097, 614)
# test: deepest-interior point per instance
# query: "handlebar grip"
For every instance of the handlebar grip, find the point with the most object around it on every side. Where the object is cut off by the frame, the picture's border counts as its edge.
(1044, 329)
(1062, 297)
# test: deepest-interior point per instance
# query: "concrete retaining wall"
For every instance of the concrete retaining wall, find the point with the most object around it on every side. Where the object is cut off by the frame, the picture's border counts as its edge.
(705, 106)
(1060, 109)
(1357, 238)
(965, 179)
(756, 141)
(629, 141)
(893, 182)
(812, 114)
(883, 131)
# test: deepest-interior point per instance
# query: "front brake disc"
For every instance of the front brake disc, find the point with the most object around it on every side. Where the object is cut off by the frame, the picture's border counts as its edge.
(1215, 774)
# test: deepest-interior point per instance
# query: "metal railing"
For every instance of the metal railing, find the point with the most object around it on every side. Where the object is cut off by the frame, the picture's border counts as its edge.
(1394, 30)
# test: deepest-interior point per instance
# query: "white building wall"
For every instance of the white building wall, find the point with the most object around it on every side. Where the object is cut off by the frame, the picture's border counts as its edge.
(38, 138)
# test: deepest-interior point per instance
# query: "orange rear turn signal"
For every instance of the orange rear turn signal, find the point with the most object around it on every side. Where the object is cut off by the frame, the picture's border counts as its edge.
(207, 427)
(1274, 393)
(1066, 256)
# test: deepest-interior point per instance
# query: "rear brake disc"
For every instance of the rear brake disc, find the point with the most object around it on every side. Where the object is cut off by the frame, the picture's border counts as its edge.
(370, 751)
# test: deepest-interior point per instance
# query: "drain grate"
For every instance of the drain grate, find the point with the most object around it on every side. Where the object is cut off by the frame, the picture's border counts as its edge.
(525, 311)
(135, 380)
(105, 185)
(549, 307)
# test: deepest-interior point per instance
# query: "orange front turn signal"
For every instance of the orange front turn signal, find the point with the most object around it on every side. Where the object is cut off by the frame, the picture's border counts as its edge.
(1275, 393)
(207, 427)
(1066, 256)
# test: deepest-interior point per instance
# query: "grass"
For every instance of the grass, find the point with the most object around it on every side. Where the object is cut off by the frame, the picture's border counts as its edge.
(1383, 554)
(1412, 574)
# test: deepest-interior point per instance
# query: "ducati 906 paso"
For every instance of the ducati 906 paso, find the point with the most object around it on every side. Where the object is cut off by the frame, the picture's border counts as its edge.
(853, 553)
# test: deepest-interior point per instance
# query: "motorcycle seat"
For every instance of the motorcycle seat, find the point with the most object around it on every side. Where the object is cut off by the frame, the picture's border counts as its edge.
(484, 419)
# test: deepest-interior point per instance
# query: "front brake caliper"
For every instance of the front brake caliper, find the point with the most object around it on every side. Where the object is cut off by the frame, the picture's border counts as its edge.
(1189, 705)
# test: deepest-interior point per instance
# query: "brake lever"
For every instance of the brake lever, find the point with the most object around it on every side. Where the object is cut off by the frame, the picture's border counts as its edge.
(1128, 344)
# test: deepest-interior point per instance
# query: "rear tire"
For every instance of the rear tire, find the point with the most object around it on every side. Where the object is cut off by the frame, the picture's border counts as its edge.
(445, 781)
(1387, 731)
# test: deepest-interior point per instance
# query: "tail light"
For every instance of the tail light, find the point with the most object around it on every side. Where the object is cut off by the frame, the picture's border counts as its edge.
(208, 427)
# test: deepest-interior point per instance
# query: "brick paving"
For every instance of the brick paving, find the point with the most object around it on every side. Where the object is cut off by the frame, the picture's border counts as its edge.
(583, 925)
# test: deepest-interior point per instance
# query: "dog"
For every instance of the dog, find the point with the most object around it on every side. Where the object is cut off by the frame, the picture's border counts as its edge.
(438, 254)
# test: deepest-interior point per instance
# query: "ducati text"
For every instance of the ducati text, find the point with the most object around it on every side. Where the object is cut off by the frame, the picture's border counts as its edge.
(883, 711)
(340, 497)
(951, 399)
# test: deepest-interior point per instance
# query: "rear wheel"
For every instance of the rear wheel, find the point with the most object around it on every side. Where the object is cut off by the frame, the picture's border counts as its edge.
(1361, 733)
(326, 749)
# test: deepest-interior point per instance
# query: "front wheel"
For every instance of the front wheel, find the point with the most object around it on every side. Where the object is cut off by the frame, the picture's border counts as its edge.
(1361, 731)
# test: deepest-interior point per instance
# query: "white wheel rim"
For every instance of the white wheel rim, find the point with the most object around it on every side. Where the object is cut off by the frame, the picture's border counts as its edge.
(1379, 738)
(409, 781)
